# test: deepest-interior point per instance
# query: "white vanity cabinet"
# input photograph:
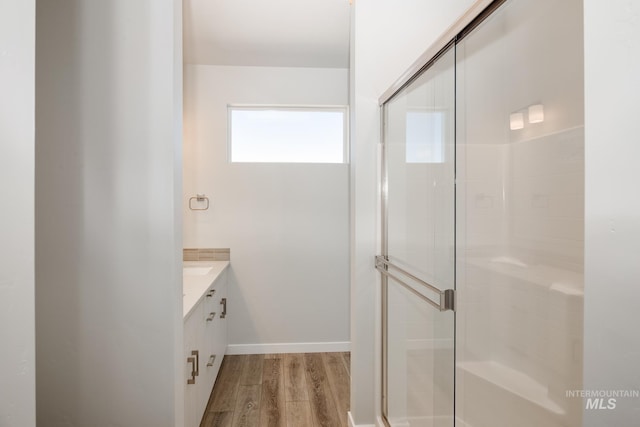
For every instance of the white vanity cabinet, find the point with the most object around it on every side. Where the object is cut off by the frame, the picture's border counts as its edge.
(193, 330)
(215, 333)
(205, 343)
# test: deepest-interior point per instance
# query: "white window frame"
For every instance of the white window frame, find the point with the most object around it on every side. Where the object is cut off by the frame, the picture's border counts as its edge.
(320, 108)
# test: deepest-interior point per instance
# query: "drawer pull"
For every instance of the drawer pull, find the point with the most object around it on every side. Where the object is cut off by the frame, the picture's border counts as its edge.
(212, 316)
(196, 353)
(223, 301)
(211, 293)
(212, 360)
(192, 360)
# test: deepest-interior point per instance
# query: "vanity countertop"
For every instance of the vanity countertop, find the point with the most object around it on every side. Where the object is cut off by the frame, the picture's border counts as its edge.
(197, 278)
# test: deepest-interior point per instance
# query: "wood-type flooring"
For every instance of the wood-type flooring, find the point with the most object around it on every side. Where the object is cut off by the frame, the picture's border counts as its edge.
(281, 390)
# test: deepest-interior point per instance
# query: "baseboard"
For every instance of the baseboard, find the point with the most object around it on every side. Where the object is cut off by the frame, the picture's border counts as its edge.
(352, 423)
(350, 420)
(302, 347)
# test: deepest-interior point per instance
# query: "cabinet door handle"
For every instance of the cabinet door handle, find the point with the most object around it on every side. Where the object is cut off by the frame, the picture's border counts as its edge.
(212, 316)
(212, 359)
(223, 301)
(196, 353)
(192, 360)
(211, 293)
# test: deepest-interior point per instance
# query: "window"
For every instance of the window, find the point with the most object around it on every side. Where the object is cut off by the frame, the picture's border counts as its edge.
(425, 136)
(288, 134)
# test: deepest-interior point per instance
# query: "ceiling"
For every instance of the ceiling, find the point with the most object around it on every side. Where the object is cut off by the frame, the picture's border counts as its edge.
(277, 33)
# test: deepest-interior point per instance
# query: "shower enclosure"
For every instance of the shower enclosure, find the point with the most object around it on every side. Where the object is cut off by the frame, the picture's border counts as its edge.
(482, 226)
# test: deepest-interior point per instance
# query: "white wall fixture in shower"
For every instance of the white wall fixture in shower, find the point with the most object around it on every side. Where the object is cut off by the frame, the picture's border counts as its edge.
(536, 113)
(516, 121)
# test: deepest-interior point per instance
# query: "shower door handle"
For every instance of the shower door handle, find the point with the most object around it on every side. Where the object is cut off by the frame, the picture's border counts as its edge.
(446, 298)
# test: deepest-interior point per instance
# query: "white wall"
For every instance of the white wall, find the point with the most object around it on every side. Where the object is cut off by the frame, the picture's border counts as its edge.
(17, 102)
(387, 37)
(612, 229)
(286, 224)
(108, 226)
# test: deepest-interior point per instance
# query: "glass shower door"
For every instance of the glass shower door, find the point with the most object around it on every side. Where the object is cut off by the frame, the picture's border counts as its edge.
(483, 192)
(520, 217)
(417, 262)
